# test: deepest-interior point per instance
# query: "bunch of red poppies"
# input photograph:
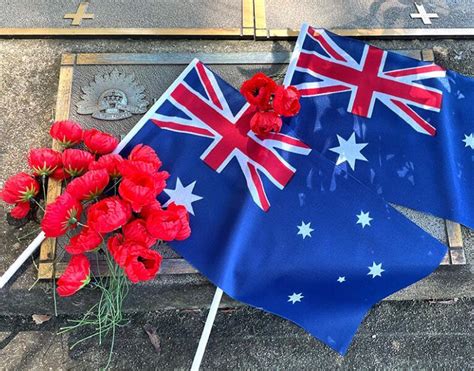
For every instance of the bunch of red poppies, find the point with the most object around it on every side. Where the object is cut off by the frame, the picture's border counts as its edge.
(271, 102)
(109, 203)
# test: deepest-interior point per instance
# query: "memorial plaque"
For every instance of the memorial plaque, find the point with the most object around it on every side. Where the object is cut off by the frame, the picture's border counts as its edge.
(367, 18)
(199, 18)
(100, 80)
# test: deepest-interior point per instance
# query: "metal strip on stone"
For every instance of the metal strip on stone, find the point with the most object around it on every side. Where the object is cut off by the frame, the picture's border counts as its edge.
(455, 255)
(144, 77)
(364, 18)
(160, 18)
(63, 103)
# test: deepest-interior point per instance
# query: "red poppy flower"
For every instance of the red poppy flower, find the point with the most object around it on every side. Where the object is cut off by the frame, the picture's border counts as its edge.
(67, 133)
(20, 187)
(286, 101)
(75, 277)
(258, 90)
(76, 161)
(136, 231)
(99, 142)
(129, 168)
(119, 249)
(146, 154)
(108, 214)
(20, 210)
(147, 210)
(86, 240)
(60, 174)
(160, 181)
(139, 186)
(108, 162)
(138, 190)
(61, 215)
(89, 185)
(170, 224)
(265, 122)
(44, 161)
(142, 264)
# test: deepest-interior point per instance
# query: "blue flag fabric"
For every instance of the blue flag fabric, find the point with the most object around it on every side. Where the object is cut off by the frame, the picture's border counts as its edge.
(325, 250)
(401, 126)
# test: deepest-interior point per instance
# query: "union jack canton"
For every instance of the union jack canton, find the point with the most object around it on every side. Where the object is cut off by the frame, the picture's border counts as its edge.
(209, 115)
(369, 80)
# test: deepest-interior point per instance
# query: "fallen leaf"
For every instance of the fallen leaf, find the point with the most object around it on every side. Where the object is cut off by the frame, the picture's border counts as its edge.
(40, 318)
(155, 340)
(449, 301)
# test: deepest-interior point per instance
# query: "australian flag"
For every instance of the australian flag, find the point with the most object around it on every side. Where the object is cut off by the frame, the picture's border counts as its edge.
(402, 127)
(275, 224)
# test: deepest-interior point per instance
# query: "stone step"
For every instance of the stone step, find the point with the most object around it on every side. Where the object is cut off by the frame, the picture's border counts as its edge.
(365, 18)
(234, 19)
(187, 18)
(425, 335)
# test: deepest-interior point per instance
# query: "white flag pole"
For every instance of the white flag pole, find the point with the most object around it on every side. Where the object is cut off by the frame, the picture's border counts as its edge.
(207, 330)
(21, 259)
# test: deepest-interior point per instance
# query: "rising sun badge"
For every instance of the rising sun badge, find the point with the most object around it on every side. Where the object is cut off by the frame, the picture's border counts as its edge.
(113, 96)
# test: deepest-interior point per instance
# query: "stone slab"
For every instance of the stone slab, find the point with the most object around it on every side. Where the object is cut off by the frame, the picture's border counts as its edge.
(363, 14)
(233, 18)
(29, 82)
(401, 335)
(220, 17)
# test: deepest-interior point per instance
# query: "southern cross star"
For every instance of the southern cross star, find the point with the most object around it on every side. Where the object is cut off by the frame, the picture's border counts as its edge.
(375, 270)
(469, 140)
(364, 219)
(295, 297)
(349, 151)
(182, 195)
(305, 229)
(341, 279)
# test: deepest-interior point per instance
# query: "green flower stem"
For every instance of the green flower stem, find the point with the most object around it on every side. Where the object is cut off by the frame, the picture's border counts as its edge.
(38, 204)
(106, 315)
(43, 184)
(113, 186)
(25, 236)
(55, 301)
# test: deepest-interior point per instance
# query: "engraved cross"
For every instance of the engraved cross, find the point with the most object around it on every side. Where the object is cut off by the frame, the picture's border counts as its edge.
(79, 15)
(422, 14)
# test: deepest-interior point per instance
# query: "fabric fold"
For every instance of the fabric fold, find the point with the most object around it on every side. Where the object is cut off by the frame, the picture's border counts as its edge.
(325, 250)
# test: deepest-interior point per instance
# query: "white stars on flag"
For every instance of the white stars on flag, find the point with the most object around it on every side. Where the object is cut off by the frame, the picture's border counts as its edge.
(341, 279)
(375, 270)
(304, 229)
(349, 151)
(295, 298)
(469, 140)
(364, 219)
(183, 195)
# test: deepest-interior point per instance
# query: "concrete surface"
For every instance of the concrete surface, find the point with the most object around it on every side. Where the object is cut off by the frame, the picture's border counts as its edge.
(367, 13)
(228, 13)
(402, 335)
(28, 79)
(124, 14)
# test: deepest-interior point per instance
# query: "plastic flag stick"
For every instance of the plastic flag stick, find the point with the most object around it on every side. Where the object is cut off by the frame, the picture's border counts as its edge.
(207, 330)
(21, 259)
